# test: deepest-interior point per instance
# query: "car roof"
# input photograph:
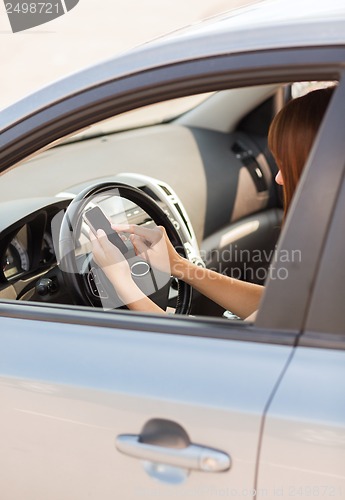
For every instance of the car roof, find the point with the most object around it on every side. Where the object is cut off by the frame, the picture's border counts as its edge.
(272, 24)
(268, 15)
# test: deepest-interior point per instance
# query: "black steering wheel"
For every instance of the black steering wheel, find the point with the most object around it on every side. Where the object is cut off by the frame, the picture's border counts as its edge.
(80, 272)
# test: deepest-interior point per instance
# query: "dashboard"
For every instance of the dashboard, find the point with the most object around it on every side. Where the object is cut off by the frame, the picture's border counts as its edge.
(18, 255)
(26, 244)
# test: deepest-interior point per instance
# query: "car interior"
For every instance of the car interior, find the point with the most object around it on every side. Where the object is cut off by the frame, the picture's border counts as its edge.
(198, 165)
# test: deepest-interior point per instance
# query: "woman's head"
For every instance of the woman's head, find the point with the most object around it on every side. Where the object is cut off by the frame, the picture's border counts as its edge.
(291, 136)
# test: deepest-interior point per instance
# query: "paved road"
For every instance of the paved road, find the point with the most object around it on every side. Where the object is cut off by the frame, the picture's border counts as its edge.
(92, 31)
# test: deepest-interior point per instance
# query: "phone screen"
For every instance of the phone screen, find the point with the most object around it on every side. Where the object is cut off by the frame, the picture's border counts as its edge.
(95, 219)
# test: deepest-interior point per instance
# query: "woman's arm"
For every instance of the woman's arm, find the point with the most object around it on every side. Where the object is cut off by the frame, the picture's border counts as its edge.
(134, 298)
(240, 297)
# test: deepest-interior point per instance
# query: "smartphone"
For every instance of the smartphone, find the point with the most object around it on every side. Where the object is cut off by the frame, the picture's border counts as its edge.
(95, 219)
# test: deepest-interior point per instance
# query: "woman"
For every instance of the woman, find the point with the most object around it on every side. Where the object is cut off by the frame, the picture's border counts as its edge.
(291, 136)
(290, 139)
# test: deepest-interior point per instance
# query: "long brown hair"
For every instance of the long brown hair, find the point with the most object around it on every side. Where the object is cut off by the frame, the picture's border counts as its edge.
(291, 136)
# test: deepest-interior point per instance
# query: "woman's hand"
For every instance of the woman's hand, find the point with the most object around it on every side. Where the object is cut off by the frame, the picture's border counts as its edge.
(152, 245)
(109, 258)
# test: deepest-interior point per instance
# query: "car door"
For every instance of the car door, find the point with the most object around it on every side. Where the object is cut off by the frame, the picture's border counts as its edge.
(73, 382)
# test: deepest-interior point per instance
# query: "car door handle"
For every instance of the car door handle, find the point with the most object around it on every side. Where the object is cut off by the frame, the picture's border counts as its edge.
(193, 456)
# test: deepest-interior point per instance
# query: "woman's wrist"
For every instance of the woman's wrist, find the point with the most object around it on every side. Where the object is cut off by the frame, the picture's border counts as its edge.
(117, 276)
(127, 290)
(131, 295)
(179, 268)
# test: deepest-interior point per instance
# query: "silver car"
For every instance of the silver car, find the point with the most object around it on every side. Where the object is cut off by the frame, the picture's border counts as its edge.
(101, 402)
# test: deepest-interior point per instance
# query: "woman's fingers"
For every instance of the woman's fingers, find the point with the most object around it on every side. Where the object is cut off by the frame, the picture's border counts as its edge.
(103, 240)
(105, 252)
(96, 246)
(151, 235)
(139, 245)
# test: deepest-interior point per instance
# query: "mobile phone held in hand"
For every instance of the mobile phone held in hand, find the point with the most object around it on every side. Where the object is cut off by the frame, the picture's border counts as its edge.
(95, 219)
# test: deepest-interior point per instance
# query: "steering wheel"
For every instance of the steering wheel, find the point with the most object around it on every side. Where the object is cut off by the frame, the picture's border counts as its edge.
(80, 272)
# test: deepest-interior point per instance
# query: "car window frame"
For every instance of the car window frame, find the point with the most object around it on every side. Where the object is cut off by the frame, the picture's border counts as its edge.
(62, 117)
(325, 326)
(233, 71)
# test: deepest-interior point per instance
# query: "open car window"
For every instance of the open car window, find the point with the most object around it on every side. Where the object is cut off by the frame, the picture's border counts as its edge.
(208, 174)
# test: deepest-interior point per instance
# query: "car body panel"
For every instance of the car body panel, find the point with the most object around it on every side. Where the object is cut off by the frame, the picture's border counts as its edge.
(303, 448)
(68, 391)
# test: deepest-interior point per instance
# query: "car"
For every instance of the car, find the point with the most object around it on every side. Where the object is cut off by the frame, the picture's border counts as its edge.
(102, 402)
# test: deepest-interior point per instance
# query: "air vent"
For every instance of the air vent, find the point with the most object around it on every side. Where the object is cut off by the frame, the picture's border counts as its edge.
(165, 189)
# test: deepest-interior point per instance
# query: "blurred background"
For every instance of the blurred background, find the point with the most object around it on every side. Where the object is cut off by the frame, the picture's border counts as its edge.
(93, 31)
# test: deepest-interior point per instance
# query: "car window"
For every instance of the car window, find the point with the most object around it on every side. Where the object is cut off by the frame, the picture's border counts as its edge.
(209, 177)
(143, 117)
(210, 183)
(301, 88)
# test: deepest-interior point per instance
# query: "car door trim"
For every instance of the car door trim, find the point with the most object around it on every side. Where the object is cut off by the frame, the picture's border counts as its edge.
(163, 324)
(325, 340)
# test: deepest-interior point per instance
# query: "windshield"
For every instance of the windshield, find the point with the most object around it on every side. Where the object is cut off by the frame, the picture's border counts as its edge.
(148, 115)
